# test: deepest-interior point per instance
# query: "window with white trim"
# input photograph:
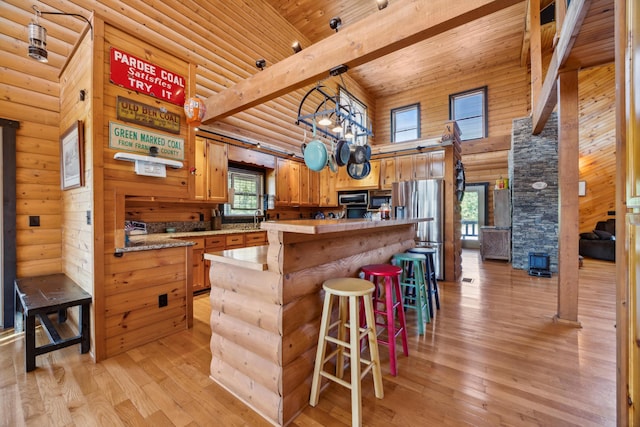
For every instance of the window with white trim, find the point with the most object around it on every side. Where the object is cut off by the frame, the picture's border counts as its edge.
(246, 192)
(405, 123)
(469, 110)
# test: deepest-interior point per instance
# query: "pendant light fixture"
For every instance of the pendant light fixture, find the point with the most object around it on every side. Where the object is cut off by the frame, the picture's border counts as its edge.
(38, 34)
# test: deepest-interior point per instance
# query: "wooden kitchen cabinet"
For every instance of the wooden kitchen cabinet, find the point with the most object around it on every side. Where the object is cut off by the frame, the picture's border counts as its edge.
(371, 181)
(199, 282)
(328, 193)
(257, 238)
(427, 165)
(234, 241)
(287, 182)
(211, 170)
(404, 168)
(387, 173)
(309, 187)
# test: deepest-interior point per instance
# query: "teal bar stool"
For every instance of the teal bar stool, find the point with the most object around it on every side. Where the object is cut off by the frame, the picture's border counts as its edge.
(430, 275)
(412, 282)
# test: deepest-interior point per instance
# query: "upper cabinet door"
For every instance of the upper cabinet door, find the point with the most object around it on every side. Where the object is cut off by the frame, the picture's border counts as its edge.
(436, 164)
(404, 168)
(211, 170)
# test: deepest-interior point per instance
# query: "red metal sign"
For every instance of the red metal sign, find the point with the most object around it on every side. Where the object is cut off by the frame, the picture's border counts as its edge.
(142, 76)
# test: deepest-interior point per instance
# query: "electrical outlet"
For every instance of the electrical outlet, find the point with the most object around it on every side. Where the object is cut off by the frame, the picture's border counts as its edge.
(163, 300)
(34, 221)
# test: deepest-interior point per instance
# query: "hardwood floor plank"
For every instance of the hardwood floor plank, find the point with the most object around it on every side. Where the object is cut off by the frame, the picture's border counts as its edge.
(491, 356)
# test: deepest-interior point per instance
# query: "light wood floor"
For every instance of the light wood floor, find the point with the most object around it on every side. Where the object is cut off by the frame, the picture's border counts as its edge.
(492, 357)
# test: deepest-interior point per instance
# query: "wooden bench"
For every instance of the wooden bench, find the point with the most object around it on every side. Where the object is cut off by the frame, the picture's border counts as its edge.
(43, 295)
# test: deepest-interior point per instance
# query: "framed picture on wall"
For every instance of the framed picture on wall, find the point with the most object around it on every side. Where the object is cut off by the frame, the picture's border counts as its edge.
(71, 157)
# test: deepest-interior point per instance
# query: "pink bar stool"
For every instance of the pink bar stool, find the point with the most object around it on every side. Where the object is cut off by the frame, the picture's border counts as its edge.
(387, 300)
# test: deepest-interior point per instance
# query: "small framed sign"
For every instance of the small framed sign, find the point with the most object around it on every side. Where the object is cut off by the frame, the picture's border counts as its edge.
(71, 157)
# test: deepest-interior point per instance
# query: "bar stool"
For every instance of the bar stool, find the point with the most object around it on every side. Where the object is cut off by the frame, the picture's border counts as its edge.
(430, 275)
(348, 290)
(387, 306)
(413, 286)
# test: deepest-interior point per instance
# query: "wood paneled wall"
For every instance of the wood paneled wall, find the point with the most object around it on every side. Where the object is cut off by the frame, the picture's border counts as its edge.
(596, 90)
(32, 98)
(77, 203)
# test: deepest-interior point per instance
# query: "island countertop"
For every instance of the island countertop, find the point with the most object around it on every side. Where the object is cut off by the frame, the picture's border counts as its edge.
(322, 226)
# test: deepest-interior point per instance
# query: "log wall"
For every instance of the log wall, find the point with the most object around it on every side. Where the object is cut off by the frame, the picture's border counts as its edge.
(265, 324)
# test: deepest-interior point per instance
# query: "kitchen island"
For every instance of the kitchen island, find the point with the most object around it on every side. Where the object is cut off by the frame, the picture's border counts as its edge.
(266, 304)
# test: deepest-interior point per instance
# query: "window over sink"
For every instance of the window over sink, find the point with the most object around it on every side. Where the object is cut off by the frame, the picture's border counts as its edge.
(246, 192)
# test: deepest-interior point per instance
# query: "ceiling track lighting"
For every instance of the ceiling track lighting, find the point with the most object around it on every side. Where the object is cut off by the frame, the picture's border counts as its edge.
(335, 23)
(261, 63)
(382, 4)
(38, 34)
(296, 46)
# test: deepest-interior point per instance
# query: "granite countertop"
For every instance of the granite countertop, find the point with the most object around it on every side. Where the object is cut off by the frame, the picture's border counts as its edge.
(146, 242)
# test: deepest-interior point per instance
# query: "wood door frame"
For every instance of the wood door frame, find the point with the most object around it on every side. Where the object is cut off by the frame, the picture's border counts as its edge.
(8, 239)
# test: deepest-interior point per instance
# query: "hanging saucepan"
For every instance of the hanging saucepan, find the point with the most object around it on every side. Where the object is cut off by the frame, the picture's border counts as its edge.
(342, 152)
(359, 171)
(331, 162)
(315, 155)
(367, 152)
(358, 154)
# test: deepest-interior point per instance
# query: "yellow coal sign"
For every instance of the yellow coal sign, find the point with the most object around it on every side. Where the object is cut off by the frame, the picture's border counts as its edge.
(132, 111)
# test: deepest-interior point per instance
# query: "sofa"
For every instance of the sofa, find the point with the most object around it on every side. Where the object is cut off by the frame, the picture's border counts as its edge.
(601, 242)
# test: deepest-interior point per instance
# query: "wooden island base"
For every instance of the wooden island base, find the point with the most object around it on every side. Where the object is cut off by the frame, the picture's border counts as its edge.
(266, 304)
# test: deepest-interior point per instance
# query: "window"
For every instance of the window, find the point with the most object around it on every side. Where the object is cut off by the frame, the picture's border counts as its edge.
(405, 123)
(359, 115)
(469, 110)
(247, 191)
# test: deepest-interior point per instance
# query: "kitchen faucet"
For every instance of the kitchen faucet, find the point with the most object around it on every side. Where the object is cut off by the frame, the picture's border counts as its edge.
(256, 214)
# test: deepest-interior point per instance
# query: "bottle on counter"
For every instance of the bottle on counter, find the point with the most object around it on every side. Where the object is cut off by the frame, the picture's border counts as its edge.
(385, 211)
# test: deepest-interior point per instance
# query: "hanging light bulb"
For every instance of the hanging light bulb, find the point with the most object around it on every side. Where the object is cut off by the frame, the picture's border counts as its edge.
(337, 129)
(349, 134)
(325, 121)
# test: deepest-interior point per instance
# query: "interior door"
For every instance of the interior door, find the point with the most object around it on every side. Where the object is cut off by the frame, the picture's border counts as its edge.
(8, 212)
(474, 213)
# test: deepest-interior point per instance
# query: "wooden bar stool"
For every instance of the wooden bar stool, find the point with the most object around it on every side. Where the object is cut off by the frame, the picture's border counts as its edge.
(414, 286)
(430, 275)
(386, 305)
(348, 290)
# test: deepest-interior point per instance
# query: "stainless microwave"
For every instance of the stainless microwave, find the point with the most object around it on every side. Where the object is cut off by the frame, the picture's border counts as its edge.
(348, 198)
(378, 197)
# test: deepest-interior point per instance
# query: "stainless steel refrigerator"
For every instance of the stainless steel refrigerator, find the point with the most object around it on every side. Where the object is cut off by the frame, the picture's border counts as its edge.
(424, 199)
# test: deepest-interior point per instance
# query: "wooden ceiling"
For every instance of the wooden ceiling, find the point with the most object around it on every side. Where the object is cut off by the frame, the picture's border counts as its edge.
(494, 39)
(465, 48)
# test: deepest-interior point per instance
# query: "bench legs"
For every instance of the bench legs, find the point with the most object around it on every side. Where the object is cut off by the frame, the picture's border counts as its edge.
(31, 351)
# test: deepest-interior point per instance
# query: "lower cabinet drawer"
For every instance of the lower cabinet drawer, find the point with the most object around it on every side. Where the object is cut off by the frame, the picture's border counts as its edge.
(255, 239)
(216, 243)
(234, 241)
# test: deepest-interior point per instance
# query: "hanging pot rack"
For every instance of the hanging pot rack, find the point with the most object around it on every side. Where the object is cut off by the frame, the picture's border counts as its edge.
(330, 107)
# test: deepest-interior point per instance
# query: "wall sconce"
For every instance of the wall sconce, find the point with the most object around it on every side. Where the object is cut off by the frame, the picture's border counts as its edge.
(261, 63)
(296, 46)
(335, 23)
(38, 34)
(382, 4)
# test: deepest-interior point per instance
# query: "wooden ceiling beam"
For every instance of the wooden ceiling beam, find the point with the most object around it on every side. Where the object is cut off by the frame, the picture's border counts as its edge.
(400, 25)
(548, 99)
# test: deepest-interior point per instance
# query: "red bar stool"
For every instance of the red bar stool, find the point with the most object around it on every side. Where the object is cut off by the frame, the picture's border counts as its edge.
(386, 304)
(349, 291)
